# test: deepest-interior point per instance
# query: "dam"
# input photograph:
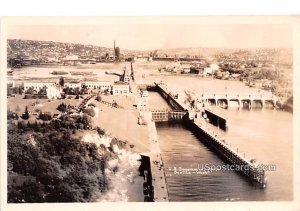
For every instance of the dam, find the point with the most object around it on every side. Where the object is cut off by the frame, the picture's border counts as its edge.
(212, 141)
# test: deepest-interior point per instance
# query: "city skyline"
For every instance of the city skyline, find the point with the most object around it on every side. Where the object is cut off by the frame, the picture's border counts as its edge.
(161, 36)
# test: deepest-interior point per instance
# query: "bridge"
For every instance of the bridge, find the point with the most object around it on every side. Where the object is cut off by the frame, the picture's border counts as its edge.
(250, 100)
(167, 115)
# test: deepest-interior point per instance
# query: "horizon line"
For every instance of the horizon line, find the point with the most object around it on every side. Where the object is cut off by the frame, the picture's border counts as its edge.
(232, 48)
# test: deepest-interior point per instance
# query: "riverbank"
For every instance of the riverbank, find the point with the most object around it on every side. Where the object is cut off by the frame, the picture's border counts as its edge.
(122, 123)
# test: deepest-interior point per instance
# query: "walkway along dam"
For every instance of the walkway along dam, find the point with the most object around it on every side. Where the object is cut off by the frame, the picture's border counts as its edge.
(197, 125)
(250, 100)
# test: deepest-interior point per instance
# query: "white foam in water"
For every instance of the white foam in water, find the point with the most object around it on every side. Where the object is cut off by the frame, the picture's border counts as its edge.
(127, 165)
(112, 164)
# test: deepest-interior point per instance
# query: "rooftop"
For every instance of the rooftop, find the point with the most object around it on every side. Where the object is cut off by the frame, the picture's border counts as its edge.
(120, 83)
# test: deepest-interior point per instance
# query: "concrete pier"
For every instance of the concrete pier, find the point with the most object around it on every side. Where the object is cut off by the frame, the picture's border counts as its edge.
(172, 102)
(157, 168)
(219, 146)
(216, 119)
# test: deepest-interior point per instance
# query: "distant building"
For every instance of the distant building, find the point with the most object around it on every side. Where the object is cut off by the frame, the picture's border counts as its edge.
(37, 85)
(126, 76)
(117, 53)
(70, 60)
(53, 90)
(104, 85)
(120, 88)
(51, 59)
(73, 84)
(185, 67)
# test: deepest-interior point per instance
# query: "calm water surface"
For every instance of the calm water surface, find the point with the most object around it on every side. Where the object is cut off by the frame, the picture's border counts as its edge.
(262, 134)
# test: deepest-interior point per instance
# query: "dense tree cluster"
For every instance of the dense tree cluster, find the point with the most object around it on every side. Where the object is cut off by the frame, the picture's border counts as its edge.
(75, 91)
(266, 74)
(14, 90)
(12, 115)
(61, 124)
(62, 107)
(43, 91)
(30, 91)
(59, 168)
(45, 116)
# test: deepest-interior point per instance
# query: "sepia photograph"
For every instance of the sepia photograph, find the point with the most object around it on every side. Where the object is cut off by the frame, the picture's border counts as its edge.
(149, 109)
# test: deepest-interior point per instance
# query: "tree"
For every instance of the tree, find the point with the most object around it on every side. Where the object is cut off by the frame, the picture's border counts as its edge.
(115, 104)
(67, 90)
(92, 105)
(20, 89)
(61, 81)
(100, 131)
(98, 98)
(25, 114)
(90, 111)
(30, 90)
(76, 91)
(9, 89)
(62, 107)
(45, 116)
(12, 115)
(43, 91)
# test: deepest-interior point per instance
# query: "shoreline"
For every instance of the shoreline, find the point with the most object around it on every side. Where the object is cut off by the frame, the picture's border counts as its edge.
(123, 125)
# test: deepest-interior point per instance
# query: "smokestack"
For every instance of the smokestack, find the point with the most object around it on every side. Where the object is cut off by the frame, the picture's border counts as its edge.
(115, 49)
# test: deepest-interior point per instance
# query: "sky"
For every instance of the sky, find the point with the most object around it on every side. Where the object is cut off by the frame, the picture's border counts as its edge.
(160, 36)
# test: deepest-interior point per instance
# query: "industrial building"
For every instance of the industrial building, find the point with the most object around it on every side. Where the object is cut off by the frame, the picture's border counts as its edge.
(120, 88)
